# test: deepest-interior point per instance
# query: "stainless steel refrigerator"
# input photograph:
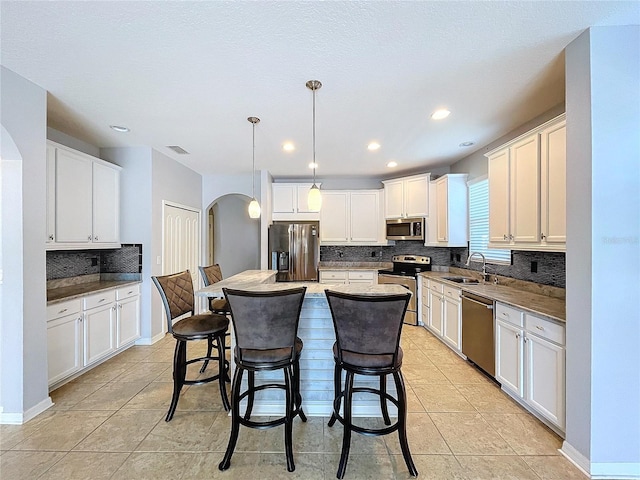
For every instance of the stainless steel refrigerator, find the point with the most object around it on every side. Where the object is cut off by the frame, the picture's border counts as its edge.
(295, 251)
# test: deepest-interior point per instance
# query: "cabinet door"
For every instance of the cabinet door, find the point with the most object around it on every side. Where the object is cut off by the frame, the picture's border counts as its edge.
(394, 199)
(364, 217)
(416, 196)
(452, 322)
(64, 347)
(284, 197)
(553, 159)
(334, 218)
(73, 209)
(128, 321)
(106, 204)
(302, 198)
(546, 378)
(525, 190)
(99, 332)
(509, 357)
(499, 197)
(333, 276)
(442, 215)
(436, 312)
(51, 194)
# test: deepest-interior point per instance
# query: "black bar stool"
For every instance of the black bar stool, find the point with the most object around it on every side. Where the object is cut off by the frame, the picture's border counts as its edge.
(177, 296)
(368, 331)
(213, 274)
(265, 326)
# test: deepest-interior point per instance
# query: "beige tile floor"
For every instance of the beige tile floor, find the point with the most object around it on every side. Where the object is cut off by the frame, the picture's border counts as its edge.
(109, 424)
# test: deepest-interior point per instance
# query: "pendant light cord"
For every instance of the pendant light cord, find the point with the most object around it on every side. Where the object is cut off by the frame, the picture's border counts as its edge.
(253, 169)
(314, 137)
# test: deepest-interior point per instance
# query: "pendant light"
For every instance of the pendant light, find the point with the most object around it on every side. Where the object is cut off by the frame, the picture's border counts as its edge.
(254, 206)
(315, 198)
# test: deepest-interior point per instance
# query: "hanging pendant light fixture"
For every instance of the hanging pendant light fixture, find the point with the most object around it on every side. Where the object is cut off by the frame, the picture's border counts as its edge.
(315, 198)
(254, 206)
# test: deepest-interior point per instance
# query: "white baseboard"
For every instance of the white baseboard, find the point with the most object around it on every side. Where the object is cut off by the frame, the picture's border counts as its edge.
(150, 341)
(600, 471)
(20, 418)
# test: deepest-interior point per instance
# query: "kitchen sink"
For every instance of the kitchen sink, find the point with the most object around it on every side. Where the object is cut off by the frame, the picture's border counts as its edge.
(461, 279)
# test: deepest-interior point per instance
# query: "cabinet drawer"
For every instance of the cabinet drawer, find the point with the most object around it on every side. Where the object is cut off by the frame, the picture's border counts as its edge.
(99, 299)
(425, 283)
(436, 286)
(453, 293)
(128, 291)
(328, 275)
(63, 309)
(509, 314)
(544, 328)
(361, 275)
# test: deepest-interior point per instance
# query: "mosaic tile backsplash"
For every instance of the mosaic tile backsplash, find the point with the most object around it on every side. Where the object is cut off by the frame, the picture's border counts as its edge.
(549, 266)
(65, 264)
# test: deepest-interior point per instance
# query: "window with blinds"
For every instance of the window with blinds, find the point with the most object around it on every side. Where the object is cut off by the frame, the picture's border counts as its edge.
(479, 224)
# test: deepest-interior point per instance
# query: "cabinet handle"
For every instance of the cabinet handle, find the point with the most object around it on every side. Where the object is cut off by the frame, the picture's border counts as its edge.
(525, 339)
(80, 319)
(504, 236)
(114, 308)
(510, 237)
(540, 328)
(542, 236)
(89, 238)
(517, 335)
(63, 310)
(129, 292)
(95, 238)
(119, 305)
(50, 237)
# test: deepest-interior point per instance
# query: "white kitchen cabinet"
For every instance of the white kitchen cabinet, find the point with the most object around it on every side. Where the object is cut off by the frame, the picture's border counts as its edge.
(351, 218)
(128, 315)
(87, 330)
(447, 224)
(527, 180)
(436, 307)
(83, 200)
(64, 340)
(289, 201)
(368, 277)
(530, 362)
(452, 318)
(407, 197)
(424, 301)
(100, 312)
(553, 185)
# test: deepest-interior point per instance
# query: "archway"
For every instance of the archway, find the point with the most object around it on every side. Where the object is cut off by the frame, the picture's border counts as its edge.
(233, 239)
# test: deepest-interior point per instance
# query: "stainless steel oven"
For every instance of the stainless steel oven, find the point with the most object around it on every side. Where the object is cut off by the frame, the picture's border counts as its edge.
(405, 272)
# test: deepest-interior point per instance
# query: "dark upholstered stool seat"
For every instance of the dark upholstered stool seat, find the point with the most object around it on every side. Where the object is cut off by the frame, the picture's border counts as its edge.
(273, 356)
(363, 360)
(201, 325)
(177, 296)
(218, 305)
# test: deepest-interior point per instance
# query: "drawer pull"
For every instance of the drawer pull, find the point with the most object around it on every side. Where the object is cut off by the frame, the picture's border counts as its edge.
(129, 292)
(540, 328)
(101, 300)
(63, 310)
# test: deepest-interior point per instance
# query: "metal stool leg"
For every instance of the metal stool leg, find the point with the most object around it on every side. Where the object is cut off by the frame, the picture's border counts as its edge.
(383, 400)
(235, 419)
(179, 373)
(337, 389)
(222, 373)
(402, 423)
(346, 436)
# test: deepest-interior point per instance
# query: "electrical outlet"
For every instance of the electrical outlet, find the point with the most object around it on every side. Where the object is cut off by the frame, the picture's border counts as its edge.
(534, 267)
(373, 254)
(94, 261)
(457, 257)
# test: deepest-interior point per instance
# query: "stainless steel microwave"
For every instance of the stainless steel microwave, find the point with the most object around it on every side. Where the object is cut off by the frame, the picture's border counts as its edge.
(405, 229)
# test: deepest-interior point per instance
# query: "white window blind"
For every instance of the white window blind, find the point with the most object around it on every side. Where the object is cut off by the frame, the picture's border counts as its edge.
(479, 224)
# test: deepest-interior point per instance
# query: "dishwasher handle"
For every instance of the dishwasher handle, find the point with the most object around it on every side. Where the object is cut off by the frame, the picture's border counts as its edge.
(468, 299)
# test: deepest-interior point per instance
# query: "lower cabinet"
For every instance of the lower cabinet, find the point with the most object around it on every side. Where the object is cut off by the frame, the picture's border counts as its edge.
(368, 277)
(530, 362)
(87, 330)
(445, 313)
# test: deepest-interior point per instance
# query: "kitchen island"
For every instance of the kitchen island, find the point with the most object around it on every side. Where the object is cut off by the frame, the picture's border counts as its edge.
(317, 333)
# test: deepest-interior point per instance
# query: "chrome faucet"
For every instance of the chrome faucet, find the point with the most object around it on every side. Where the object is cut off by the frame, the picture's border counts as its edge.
(485, 277)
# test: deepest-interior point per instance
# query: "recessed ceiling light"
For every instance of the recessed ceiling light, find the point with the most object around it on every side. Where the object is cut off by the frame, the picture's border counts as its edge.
(392, 164)
(288, 147)
(313, 165)
(119, 128)
(440, 114)
(373, 146)
(465, 144)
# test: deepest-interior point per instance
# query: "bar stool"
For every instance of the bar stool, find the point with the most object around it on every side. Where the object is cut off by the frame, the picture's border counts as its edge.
(368, 331)
(265, 326)
(177, 296)
(213, 274)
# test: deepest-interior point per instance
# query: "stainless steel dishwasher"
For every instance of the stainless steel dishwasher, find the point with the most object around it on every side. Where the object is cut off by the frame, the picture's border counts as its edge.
(477, 331)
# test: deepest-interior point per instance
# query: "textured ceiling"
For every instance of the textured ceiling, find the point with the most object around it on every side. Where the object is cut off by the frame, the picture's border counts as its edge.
(190, 73)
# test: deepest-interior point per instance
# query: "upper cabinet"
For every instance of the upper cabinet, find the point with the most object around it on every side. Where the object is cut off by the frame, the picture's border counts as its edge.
(527, 190)
(447, 224)
(407, 197)
(83, 200)
(351, 218)
(289, 201)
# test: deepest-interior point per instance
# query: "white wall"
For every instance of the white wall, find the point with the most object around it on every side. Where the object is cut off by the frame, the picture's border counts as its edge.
(23, 346)
(135, 217)
(72, 142)
(603, 251)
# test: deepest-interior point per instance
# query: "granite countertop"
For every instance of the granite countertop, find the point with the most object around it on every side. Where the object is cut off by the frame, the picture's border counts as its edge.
(354, 265)
(547, 306)
(70, 292)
